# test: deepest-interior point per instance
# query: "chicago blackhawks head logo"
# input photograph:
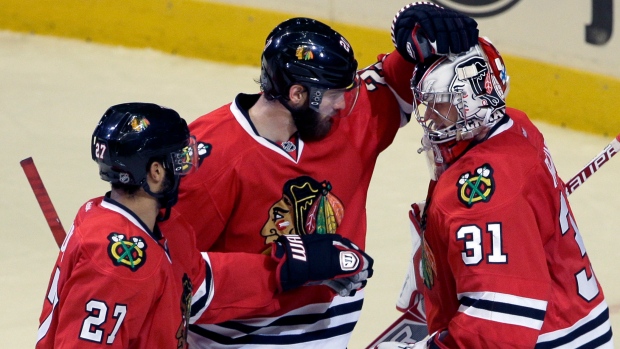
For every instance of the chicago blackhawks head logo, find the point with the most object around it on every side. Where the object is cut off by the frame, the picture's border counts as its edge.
(186, 305)
(139, 124)
(306, 207)
(130, 253)
(304, 53)
(428, 266)
(476, 187)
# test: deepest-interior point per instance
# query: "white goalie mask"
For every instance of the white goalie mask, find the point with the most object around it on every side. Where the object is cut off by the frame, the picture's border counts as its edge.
(458, 97)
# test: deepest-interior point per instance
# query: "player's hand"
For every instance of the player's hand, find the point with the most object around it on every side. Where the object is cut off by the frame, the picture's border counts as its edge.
(423, 29)
(410, 295)
(327, 259)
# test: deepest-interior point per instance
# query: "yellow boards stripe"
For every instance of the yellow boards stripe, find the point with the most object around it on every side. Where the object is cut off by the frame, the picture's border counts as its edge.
(235, 35)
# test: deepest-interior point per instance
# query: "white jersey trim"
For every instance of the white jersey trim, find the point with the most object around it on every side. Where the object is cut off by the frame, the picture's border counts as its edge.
(53, 298)
(340, 341)
(589, 320)
(202, 292)
(134, 221)
(125, 214)
(504, 308)
(298, 333)
(502, 128)
(245, 124)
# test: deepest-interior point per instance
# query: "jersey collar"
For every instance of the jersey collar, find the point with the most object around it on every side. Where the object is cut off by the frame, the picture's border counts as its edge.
(239, 108)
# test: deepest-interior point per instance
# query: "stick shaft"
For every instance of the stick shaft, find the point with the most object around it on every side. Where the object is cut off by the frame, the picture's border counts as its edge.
(43, 198)
(594, 165)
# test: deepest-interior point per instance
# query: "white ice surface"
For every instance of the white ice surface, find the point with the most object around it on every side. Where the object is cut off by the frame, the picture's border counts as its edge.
(53, 91)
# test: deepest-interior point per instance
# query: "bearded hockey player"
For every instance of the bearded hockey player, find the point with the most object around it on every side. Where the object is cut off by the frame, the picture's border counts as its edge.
(297, 160)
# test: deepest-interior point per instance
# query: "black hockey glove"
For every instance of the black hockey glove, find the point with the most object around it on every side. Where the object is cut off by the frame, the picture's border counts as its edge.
(422, 29)
(327, 259)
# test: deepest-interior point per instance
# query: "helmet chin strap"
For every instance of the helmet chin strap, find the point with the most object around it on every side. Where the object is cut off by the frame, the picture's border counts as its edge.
(165, 216)
(284, 103)
(166, 198)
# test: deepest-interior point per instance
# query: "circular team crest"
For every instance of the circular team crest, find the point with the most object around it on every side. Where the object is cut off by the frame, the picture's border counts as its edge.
(478, 8)
(477, 186)
(130, 253)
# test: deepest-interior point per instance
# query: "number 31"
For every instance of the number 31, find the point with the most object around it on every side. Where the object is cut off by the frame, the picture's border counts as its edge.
(473, 254)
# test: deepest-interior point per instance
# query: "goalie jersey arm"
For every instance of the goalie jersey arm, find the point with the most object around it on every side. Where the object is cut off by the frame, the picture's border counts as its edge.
(487, 279)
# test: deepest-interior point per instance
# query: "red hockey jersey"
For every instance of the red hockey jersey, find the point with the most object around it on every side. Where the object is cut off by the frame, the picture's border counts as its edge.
(114, 285)
(249, 191)
(503, 261)
(119, 285)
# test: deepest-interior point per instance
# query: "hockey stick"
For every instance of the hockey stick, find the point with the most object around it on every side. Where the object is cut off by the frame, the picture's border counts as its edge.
(411, 325)
(44, 200)
(594, 165)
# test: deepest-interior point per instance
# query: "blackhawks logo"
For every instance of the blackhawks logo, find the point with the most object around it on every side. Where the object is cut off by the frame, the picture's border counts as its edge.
(429, 268)
(130, 253)
(304, 53)
(476, 187)
(186, 307)
(307, 206)
(204, 150)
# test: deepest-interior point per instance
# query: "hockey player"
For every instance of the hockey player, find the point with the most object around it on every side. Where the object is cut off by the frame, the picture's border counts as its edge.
(121, 282)
(297, 160)
(114, 284)
(503, 263)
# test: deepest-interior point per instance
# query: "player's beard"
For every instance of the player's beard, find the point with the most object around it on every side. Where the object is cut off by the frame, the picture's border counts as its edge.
(310, 124)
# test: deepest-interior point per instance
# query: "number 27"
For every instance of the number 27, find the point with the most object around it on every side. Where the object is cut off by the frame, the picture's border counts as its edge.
(98, 311)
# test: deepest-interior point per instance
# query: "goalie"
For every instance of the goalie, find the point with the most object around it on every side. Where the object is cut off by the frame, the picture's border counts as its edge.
(502, 261)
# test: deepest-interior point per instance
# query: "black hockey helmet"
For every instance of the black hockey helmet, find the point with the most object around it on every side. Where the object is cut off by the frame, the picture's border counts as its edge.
(132, 135)
(307, 52)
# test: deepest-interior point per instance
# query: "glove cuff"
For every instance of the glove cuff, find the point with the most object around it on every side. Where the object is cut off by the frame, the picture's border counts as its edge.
(290, 253)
